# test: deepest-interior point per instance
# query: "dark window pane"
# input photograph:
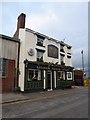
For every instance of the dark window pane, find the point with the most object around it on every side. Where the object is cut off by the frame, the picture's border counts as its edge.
(52, 51)
(33, 75)
(40, 56)
(60, 76)
(0, 66)
(3, 67)
(4, 70)
(30, 74)
(40, 40)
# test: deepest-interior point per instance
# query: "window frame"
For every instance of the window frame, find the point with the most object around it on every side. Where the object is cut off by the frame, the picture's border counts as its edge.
(61, 77)
(2, 69)
(34, 70)
(51, 53)
(70, 77)
(62, 48)
(69, 57)
(41, 57)
(62, 55)
(40, 40)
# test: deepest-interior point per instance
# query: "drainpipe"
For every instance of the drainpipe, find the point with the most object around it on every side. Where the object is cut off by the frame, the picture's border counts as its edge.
(16, 79)
(18, 65)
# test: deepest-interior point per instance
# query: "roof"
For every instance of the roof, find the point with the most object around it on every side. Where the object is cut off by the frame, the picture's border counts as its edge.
(49, 38)
(9, 38)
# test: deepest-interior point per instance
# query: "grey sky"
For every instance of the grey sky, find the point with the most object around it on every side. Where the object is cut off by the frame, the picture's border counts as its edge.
(59, 20)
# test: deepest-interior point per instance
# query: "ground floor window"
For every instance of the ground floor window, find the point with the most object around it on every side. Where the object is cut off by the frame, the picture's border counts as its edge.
(60, 75)
(3, 67)
(34, 75)
(69, 75)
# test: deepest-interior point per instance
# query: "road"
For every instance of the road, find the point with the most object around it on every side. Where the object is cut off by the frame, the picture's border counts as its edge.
(71, 103)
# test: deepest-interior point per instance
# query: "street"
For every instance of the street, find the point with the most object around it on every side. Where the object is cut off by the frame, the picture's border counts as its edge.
(72, 103)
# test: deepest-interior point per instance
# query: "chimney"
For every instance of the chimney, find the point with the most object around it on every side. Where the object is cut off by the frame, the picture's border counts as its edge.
(21, 21)
(20, 24)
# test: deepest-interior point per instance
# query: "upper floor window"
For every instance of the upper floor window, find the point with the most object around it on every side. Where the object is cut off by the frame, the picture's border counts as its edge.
(40, 55)
(40, 40)
(62, 59)
(52, 51)
(69, 47)
(68, 56)
(61, 47)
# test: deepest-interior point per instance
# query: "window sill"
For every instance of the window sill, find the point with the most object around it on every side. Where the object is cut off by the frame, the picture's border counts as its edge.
(3, 77)
(40, 45)
(69, 53)
(62, 51)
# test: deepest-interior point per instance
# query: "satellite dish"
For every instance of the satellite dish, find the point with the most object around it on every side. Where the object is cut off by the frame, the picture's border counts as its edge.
(31, 52)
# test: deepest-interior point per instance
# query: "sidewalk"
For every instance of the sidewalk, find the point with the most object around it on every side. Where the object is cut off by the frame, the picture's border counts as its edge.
(14, 97)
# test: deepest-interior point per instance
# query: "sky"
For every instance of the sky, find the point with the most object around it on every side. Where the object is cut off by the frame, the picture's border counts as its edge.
(66, 21)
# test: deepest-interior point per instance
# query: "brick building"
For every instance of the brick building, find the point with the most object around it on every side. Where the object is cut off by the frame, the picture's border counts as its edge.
(8, 62)
(78, 77)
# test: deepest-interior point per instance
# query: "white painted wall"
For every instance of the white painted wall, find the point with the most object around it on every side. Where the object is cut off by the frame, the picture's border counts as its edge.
(30, 41)
(55, 79)
(0, 47)
(68, 61)
(50, 59)
(22, 58)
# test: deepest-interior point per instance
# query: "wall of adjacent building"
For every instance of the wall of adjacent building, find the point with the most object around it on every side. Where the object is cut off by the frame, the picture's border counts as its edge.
(9, 52)
(9, 49)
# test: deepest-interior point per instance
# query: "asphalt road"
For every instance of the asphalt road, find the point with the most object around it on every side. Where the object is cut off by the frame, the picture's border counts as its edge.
(71, 104)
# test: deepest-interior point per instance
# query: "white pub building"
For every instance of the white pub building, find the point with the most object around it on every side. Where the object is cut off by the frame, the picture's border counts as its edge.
(44, 62)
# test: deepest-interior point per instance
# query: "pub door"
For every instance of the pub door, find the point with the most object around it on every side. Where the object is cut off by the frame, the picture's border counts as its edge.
(49, 79)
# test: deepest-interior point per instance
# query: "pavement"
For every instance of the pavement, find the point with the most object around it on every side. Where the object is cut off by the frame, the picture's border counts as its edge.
(18, 96)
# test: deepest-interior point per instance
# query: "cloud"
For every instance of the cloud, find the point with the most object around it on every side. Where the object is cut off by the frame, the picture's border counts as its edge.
(40, 20)
(57, 20)
(67, 21)
(77, 57)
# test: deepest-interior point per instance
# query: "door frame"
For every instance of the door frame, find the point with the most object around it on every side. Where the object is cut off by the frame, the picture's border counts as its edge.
(50, 73)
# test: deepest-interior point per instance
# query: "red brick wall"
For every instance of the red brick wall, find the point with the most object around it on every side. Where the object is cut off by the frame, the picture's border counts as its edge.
(78, 77)
(78, 72)
(20, 24)
(8, 82)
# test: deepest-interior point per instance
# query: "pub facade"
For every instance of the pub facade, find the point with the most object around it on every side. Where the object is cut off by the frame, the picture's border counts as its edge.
(44, 62)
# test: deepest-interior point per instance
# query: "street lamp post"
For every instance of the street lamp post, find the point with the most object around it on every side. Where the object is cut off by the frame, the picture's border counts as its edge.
(82, 62)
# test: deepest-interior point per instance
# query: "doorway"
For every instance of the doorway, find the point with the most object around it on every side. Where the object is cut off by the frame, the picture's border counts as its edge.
(49, 80)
